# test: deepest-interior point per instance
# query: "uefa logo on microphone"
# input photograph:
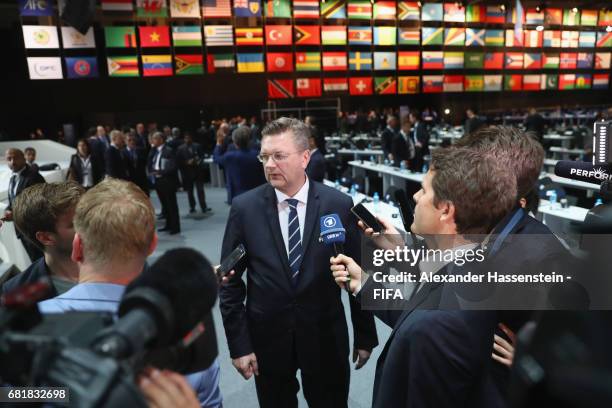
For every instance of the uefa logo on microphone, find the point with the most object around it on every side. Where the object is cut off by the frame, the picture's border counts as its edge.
(329, 222)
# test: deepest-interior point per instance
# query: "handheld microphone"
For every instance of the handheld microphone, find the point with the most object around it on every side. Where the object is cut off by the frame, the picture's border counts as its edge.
(333, 232)
(583, 171)
(164, 304)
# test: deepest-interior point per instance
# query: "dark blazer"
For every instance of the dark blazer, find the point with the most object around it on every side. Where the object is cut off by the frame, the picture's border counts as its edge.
(386, 140)
(76, 169)
(421, 134)
(279, 322)
(402, 149)
(137, 167)
(98, 147)
(116, 163)
(243, 171)
(28, 178)
(167, 163)
(434, 358)
(316, 166)
(36, 271)
(183, 154)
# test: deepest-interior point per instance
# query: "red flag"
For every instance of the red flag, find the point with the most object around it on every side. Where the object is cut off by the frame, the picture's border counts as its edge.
(308, 87)
(360, 86)
(280, 88)
(335, 85)
(278, 35)
(307, 35)
(158, 36)
(279, 61)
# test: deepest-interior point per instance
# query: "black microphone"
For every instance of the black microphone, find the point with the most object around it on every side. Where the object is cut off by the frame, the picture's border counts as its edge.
(583, 171)
(164, 304)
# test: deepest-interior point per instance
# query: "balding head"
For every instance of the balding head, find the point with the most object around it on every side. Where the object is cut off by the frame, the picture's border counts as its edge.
(14, 159)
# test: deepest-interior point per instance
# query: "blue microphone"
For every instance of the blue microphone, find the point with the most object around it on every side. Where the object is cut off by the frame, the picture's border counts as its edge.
(332, 232)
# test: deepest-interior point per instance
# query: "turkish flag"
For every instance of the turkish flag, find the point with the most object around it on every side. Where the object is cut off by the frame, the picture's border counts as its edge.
(278, 35)
(308, 87)
(360, 86)
(157, 36)
(279, 61)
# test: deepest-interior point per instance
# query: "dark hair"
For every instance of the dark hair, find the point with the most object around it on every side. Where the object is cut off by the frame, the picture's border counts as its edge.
(29, 149)
(38, 207)
(518, 152)
(482, 190)
(241, 136)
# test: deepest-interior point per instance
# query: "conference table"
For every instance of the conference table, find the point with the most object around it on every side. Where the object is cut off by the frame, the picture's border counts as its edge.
(564, 139)
(564, 152)
(217, 177)
(382, 209)
(356, 153)
(391, 176)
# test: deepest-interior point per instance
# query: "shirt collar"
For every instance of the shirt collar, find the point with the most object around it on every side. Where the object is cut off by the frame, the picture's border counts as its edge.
(301, 195)
(95, 290)
(18, 173)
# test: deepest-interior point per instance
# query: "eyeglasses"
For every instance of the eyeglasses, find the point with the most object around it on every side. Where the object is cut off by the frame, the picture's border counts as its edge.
(278, 157)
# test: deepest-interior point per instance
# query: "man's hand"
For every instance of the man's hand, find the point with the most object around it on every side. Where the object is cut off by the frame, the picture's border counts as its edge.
(361, 357)
(226, 278)
(246, 365)
(503, 351)
(166, 389)
(388, 238)
(346, 271)
(8, 216)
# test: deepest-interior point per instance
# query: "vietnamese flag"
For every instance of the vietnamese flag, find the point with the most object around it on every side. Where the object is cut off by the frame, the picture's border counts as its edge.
(158, 36)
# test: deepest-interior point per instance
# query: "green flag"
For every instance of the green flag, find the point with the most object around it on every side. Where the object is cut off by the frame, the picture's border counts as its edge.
(278, 8)
(120, 37)
(474, 60)
(550, 82)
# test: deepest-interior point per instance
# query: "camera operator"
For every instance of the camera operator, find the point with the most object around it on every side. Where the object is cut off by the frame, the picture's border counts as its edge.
(114, 227)
(43, 214)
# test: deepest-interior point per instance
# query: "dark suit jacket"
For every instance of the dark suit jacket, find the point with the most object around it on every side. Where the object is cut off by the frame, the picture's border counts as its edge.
(137, 167)
(28, 178)
(76, 168)
(422, 135)
(167, 163)
(98, 147)
(243, 171)
(386, 140)
(401, 149)
(35, 272)
(316, 166)
(183, 154)
(116, 163)
(279, 322)
(434, 358)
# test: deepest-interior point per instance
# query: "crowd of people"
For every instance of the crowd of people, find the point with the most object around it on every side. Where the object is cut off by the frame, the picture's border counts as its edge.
(96, 230)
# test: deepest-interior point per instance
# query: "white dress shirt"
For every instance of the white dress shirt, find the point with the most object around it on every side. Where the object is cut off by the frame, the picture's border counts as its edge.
(17, 175)
(283, 212)
(87, 171)
(157, 165)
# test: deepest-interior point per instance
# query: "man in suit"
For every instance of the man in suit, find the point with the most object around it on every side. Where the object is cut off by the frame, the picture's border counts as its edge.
(44, 214)
(420, 138)
(472, 123)
(403, 149)
(387, 136)
(440, 358)
(534, 122)
(162, 170)
(30, 156)
(293, 318)
(114, 157)
(141, 136)
(22, 177)
(188, 156)
(316, 166)
(316, 133)
(137, 163)
(243, 171)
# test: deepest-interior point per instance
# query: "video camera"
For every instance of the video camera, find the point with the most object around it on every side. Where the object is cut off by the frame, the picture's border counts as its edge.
(163, 320)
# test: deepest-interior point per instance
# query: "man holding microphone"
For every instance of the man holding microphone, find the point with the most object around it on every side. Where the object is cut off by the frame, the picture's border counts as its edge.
(438, 358)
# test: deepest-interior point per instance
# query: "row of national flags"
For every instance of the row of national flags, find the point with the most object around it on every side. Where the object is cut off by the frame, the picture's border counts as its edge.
(284, 88)
(47, 37)
(195, 64)
(336, 9)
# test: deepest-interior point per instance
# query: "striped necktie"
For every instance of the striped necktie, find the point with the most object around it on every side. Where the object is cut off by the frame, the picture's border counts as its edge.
(295, 241)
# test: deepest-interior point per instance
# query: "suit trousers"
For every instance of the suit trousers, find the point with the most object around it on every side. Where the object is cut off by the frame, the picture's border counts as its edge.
(328, 389)
(193, 176)
(166, 190)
